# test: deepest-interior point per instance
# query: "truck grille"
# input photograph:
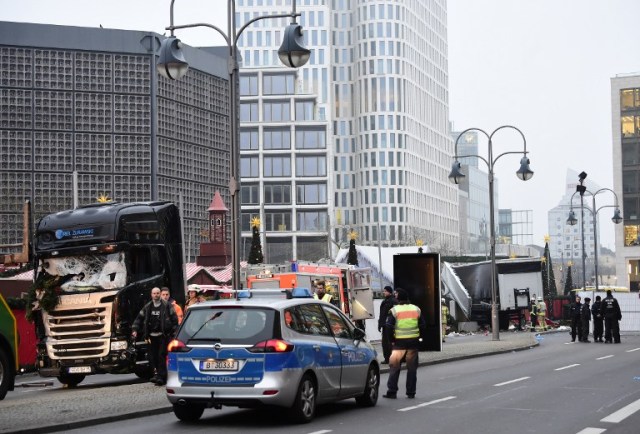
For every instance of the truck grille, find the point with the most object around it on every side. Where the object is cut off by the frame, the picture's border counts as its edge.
(78, 332)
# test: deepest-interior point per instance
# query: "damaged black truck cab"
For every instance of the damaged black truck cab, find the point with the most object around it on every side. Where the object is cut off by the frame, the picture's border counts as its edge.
(96, 265)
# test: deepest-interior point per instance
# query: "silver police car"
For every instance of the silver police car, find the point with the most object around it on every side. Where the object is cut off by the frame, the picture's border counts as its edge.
(247, 352)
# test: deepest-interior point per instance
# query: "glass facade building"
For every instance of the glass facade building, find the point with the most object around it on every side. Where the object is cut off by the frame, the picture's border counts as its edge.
(625, 106)
(379, 72)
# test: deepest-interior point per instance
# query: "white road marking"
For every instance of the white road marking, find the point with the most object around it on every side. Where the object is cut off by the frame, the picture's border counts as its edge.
(590, 430)
(635, 349)
(605, 357)
(424, 404)
(567, 367)
(569, 343)
(321, 431)
(511, 381)
(623, 413)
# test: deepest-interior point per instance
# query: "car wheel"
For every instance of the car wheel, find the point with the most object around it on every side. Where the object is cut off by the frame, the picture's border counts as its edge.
(6, 374)
(71, 380)
(143, 372)
(304, 407)
(189, 412)
(370, 396)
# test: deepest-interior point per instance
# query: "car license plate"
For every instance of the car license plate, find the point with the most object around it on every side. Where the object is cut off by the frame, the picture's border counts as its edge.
(80, 370)
(219, 365)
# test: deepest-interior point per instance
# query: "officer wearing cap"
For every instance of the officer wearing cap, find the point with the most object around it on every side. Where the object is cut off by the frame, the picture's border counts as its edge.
(386, 305)
(585, 317)
(612, 314)
(407, 323)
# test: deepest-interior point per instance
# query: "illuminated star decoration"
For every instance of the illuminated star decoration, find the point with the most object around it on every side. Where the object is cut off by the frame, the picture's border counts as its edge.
(353, 235)
(103, 198)
(543, 259)
(255, 222)
(547, 238)
(570, 263)
(419, 243)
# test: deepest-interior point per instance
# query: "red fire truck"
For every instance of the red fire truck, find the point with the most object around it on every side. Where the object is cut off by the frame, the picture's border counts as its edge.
(350, 287)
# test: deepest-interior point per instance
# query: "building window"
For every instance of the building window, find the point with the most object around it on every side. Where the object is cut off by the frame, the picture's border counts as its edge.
(309, 138)
(249, 139)
(304, 110)
(278, 84)
(249, 112)
(277, 139)
(249, 194)
(311, 193)
(277, 194)
(277, 166)
(277, 111)
(277, 221)
(311, 166)
(312, 220)
(248, 85)
(249, 167)
(245, 219)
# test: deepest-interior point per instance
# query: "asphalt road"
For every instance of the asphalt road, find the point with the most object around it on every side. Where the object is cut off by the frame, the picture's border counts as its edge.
(558, 387)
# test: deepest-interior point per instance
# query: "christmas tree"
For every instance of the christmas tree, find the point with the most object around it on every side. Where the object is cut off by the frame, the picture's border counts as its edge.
(568, 284)
(352, 258)
(419, 244)
(255, 254)
(548, 278)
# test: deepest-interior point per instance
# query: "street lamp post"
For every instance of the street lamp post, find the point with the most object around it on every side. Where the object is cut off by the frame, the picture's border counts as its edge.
(524, 173)
(172, 65)
(617, 218)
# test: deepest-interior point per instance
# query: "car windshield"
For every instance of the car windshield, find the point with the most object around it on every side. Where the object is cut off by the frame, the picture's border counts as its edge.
(228, 325)
(85, 273)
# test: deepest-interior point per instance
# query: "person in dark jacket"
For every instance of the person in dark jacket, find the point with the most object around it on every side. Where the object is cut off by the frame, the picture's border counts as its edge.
(386, 305)
(575, 311)
(598, 320)
(585, 318)
(157, 322)
(612, 314)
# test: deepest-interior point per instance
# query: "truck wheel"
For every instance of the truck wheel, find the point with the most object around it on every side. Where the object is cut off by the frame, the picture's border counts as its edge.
(189, 412)
(304, 407)
(143, 372)
(6, 374)
(71, 380)
(370, 396)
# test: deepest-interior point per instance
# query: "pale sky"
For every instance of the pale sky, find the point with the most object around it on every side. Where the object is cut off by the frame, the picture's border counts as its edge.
(543, 66)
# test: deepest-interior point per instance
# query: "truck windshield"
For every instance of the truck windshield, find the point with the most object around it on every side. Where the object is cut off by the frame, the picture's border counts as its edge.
(87, 273)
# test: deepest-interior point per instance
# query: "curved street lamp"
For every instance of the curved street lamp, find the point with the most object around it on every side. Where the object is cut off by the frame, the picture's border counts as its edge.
(172, 65)
(572, 220)
(524, 173)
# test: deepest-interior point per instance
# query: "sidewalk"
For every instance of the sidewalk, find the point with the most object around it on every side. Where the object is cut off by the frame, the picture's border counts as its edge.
(36, 412)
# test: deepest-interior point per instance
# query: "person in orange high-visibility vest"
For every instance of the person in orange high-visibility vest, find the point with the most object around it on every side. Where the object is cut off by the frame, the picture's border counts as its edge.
(407, 323)
(165, 294)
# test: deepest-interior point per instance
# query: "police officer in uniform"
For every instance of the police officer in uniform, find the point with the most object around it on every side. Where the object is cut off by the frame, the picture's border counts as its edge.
(386, 305)
(612, 314)
(158, 323)
(598, 320)
(575, 313)
(585, 318)
(407, 323)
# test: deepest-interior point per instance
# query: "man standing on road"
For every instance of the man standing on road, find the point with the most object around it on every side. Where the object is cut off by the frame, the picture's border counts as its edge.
(407, 323)
(444, 313)
(575, 312)
(533, 313)
(158, 322)
(542, 315)
(386, 305)
(165, 294)
(598, 320)
(585, 317)
(612, 314)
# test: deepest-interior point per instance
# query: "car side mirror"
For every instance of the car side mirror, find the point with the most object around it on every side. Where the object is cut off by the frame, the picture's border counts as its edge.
(359, 334)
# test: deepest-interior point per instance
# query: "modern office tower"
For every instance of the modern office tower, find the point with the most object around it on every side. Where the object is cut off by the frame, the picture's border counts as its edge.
(515, 227)
(284, 167)
(380, 75)
(625, 106)
(88, 104)
(565, 243)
